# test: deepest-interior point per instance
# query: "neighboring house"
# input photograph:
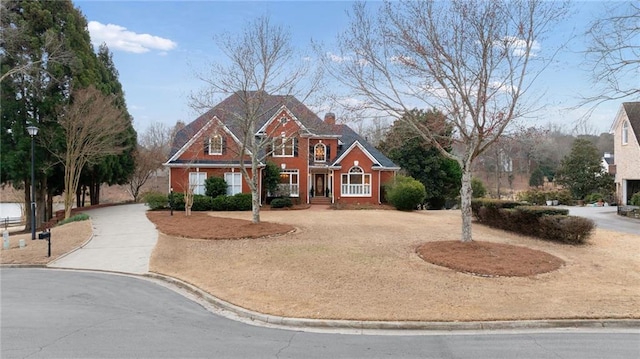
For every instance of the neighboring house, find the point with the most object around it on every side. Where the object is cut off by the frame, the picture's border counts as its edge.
(320, 161)
(608, 163)
(626, 134)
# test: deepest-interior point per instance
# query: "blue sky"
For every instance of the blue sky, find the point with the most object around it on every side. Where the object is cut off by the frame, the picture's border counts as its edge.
(158, 46)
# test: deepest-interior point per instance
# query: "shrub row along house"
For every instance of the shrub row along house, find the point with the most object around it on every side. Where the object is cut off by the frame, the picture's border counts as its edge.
(320, 161)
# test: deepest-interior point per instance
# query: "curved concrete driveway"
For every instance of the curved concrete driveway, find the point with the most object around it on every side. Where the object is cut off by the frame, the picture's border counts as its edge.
(123, 239)
(607, 218)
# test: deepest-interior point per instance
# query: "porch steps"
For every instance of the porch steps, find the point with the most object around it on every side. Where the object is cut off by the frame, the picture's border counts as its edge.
(321, 200)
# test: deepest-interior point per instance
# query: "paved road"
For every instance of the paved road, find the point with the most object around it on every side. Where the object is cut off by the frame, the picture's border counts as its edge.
(69, 314)
(607, 218)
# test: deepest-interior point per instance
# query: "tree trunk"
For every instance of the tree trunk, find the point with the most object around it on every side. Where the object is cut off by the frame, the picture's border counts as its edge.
(78, 199)
(465, 203)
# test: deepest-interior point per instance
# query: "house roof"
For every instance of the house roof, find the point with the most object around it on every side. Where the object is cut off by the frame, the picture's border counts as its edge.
(235, 106)
(349, 137)
(633, 113)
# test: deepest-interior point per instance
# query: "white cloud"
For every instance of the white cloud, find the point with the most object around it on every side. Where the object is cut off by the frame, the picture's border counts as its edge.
(337, 58)
(518, 46)
(119, 38)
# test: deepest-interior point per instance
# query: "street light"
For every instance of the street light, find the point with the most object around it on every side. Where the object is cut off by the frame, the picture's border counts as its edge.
(33, 131)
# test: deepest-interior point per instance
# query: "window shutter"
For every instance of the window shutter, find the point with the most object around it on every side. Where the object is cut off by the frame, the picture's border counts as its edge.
(328, 154)
(224, 145)
(269, 149)
(312, 154)
(206, 146)
(295, 147)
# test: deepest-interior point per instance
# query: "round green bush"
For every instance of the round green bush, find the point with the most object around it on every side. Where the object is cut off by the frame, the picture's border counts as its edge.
(406, 193)
(215, 186)
(635, 199)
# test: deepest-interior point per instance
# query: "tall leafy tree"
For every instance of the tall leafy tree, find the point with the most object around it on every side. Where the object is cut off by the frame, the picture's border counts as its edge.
(439, 175)
(581, 171)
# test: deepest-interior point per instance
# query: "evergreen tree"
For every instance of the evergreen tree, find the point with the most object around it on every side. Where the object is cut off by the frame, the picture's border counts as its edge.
(581, 171)
(422, 161)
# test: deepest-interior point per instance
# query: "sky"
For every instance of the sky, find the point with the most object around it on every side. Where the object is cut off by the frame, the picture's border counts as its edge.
(159, 46)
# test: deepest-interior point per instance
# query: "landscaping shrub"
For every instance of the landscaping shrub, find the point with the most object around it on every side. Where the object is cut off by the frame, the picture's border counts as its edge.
(477, 188)
(281, 202)
(568, 229)
(215, 186)
(75, 218)
(405, 193)
(178, 201)
(156, 200)
(593, 198)
(201, 203)
(241, 202)
(538, 221)
(635, 199)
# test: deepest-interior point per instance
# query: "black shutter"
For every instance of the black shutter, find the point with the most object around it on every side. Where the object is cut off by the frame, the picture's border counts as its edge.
(224, 145)
(295, 147)
(312, 155)
(269, 149)
(328, 153)
(206, 146)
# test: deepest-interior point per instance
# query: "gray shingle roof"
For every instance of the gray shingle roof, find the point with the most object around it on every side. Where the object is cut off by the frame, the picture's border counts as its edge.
(349, 136)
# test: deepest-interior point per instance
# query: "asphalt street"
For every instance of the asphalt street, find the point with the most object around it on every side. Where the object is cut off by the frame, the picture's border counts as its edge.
(606, 218)
(48, 313)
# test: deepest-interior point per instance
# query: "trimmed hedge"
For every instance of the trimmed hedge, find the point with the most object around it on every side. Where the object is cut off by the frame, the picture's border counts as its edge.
(237, 202)
(542, 222)
(281, 202)
(540, 197)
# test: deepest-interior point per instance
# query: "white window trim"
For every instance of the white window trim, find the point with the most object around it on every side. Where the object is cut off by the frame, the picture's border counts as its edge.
(361, 189)
(212, 149)
(231, 184)
(324, 151)
(292, 188)
(198, 188)
(625, 132)
(279, 151)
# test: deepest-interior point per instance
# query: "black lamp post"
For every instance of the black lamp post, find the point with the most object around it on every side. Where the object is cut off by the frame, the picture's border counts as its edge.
(171, 200)
(33, 131)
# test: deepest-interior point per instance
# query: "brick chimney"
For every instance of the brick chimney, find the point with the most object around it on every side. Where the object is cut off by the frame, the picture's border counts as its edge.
(330, 118)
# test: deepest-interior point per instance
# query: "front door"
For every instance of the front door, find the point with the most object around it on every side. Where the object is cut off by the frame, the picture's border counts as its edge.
(319, 185)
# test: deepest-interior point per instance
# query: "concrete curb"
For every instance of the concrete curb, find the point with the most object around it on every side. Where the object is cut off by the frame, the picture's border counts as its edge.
(262, 319)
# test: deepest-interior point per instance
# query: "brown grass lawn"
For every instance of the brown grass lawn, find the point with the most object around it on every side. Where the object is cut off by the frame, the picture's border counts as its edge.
(365, 265)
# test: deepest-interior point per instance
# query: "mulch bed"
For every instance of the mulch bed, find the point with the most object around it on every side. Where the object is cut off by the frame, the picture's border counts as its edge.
(201, 225)
(488, 259)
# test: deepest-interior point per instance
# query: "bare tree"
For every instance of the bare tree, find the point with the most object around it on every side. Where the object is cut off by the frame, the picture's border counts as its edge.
(614, 53)
(153, 149)
(92, 127)
(472, 59)
(260, 61)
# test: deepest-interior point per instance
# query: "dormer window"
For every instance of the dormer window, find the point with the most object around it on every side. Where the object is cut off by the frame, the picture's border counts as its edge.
(320, 153)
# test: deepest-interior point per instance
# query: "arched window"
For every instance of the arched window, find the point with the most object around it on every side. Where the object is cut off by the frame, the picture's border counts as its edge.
(320, 153)
(625, 132)
(356, 183)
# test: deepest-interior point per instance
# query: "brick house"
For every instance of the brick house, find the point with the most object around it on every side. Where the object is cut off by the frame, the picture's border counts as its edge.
(320, 161)
(626, 134)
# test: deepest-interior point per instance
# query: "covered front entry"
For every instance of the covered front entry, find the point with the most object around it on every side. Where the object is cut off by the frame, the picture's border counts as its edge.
(319, 184)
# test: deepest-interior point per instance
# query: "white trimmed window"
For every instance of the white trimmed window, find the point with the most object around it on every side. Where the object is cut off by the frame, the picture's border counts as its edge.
(234, 182)
(625, 132)
(289, 183)
(215, 145)
(356, 183)
(283, 146)
(196, 182)
(320, 153)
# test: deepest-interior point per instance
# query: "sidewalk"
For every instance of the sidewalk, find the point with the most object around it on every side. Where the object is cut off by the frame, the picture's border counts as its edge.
(123, 239)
